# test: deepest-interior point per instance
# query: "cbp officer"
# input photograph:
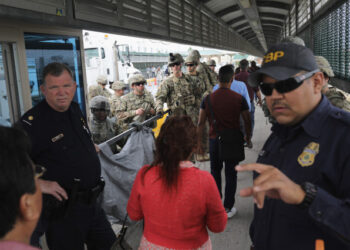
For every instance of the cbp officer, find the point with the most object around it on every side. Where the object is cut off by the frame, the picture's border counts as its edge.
(301, 186)
(61, 142)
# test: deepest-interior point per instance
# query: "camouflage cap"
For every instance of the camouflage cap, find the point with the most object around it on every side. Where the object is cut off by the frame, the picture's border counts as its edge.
(190, 59)
(324, 66)
(211, 63)
(99, 102)
(136, 78)
(118, 85)
(195, 54)
(102, 79)
(175, 58)
(293, 39)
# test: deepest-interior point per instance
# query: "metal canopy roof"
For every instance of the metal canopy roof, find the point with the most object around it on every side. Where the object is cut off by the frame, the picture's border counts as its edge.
(249, 26)
(258, 21)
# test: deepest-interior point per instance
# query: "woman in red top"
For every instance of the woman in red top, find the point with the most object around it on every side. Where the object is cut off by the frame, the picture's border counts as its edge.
(176, 200)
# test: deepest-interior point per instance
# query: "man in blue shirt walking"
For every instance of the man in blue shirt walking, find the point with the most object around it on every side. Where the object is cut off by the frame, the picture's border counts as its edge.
(238, 87)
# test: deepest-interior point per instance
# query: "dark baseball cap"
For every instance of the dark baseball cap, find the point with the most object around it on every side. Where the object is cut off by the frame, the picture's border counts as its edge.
(283, 61)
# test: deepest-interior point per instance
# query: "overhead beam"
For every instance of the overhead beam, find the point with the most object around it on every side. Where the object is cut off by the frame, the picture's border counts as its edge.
(271, 22)
(273, 4)
(246, 31)
(227, 10)
(274, 15)
(271, 27)
(235, 20)
(251, 13)
(250, 37)
(249, 34)
(238, 27)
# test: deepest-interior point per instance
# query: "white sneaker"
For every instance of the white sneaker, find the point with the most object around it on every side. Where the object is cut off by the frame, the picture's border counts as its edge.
(231, 213)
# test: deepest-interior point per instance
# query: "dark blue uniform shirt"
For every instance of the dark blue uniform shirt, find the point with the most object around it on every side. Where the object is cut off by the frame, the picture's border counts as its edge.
(318, 151)
(61, 142)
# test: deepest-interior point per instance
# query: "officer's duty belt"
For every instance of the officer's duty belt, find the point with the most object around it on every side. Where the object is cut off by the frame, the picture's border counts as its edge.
(87, 196)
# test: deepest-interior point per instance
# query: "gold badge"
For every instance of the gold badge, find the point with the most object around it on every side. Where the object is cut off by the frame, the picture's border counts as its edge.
(30, 118)
(307, 157)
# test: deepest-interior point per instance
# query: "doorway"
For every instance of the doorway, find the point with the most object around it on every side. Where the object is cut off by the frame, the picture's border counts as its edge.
(11, 101)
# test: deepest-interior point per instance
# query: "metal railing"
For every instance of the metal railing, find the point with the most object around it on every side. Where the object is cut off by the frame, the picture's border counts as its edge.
(135, 126)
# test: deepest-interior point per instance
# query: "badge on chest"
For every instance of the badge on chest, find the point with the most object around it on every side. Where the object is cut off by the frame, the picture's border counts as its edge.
(307, 157)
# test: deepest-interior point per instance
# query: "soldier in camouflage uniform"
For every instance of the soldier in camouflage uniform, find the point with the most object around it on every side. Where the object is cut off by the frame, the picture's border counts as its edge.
(99, 88)
(101, 126)
(212, 65)
(337, 98)
(118, 88)
(138, 105)
(199, 84)
(204, 88)
(178, 91)
(207, 73)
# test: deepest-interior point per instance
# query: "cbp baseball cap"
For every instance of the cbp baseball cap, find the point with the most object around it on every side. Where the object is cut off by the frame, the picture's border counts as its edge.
(283, 61)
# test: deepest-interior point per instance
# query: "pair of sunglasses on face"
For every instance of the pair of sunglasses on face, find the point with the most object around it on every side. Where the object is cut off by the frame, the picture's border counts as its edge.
(139, 83)
(174, 64)
(189, 64)
(285, 86)
(100, 110)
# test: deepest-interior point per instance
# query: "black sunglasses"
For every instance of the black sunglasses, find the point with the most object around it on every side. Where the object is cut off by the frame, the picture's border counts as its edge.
(139, 83)
(287, 85)
(100, 110)
(174, 64)
(189, 64)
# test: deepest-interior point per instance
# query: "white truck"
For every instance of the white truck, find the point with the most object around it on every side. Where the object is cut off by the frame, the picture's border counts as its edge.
(104, 56)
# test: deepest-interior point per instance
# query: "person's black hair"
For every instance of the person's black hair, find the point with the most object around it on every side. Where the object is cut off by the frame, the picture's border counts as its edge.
(226, 73)
(56, 69)
(16, 175)
(243, 64)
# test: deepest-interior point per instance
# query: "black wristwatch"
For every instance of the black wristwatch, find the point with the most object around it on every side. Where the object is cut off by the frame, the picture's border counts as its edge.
(310, 194)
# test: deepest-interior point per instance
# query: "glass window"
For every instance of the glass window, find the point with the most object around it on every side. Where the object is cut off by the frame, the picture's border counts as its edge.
(42, 49)
(90, 55)
(103, 54)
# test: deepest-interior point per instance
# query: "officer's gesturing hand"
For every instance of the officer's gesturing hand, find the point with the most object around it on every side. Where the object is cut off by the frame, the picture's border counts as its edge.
(53, 188)
(271, 183)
